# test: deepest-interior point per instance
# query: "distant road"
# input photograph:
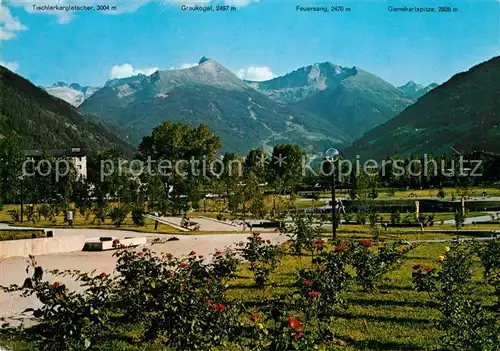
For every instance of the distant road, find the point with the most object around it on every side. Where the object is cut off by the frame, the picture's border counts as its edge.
(470, 220)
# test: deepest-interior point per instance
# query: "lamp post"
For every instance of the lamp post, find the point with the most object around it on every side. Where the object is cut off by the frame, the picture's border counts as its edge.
(331, 156)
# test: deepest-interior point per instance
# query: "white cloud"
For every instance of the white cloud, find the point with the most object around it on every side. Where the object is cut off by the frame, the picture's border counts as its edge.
(256, 73)
(187, 65)
(13, 66)
(9, 25)
(127, 70)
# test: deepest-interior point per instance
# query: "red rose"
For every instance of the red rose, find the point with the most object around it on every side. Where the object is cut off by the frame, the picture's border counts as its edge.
(219, 307)
(56, 284)
(295, 324)
(183, 265)
(200, 257)
(169, 255)
(208, 303)
(255, 234)
(192, 253)
(366, 242)
(255, 317)
(217, 253)
(182, 286)
(103, 275)
(140, 254)
(268, 241)
(314, 294)
(428, 268)
(170, 274)
(340, 248)
(299, 335)
(209, 281)
(308, 283)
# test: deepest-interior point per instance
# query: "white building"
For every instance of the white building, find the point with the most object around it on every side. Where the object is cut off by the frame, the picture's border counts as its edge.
(76, 156)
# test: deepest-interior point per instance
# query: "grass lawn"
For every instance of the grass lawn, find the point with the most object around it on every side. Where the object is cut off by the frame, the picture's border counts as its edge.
(17, 234)
(385, 194)
(80, 223)
(396, 317)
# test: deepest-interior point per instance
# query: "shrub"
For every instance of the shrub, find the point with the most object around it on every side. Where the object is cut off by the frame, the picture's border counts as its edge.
(321, 288)
(489, 254)
(31, 214)
(372, 266)
(395, 217)
(180, 301)
(361, 217)
(441, 193)
(459, 219)
(46, 211)
(465, 323)
(262, 256)
(14, 214)
(224, 265)
(138, 216)
(302, 233)
(119, 214)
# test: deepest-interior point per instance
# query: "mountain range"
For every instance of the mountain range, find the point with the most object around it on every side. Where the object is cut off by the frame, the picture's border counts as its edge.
(210, 94)
(415, 90)
(72, 93)
(462, 114)
(349, 98)
(39, 120)
(317, 106)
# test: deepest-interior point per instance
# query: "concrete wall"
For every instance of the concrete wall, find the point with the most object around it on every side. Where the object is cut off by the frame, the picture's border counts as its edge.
(41, 246)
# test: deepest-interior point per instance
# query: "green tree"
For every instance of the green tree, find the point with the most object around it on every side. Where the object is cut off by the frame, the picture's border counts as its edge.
(183, 152)
(11, 159)
(286, 167)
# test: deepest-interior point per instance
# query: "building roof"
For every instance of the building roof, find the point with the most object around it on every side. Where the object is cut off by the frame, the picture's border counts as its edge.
(74, 152)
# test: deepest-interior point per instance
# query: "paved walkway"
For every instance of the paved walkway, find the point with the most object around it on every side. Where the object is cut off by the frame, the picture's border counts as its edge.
(470, 220)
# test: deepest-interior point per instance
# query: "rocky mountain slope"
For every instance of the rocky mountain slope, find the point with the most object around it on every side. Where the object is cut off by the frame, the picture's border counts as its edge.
(349, 98)
(40, 120)
(463, 113)
(211, 94)
(415, 90)
(72, 93)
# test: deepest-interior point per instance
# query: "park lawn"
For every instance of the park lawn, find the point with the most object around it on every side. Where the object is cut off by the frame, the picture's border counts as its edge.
(396, 317)
(217, 205)
(385, 194)
(6, 234)
(81, 223)
(439, 216)
(488, 226)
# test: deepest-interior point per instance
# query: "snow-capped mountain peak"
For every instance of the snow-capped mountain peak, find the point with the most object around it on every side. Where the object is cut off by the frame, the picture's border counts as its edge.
(72, 93)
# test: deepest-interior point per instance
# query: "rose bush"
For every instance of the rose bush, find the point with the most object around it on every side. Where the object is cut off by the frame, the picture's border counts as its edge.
(372, 265)
(262, 256)
(465, 321)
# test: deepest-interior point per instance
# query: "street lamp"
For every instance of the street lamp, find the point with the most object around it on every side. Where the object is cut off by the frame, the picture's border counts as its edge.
(331, 156)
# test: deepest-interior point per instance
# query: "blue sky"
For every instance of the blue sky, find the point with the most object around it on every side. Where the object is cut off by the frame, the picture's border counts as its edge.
(259, 40)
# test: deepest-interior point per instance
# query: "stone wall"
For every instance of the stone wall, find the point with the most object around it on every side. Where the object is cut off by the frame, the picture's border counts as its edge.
(41, 246)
